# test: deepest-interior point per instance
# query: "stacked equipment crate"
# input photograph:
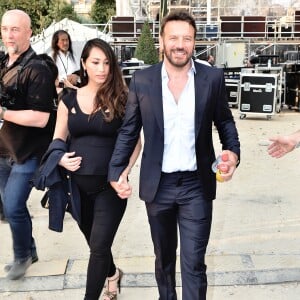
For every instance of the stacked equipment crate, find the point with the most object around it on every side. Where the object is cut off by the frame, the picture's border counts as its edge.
(259, 94)
(261, 91)
(232, 79)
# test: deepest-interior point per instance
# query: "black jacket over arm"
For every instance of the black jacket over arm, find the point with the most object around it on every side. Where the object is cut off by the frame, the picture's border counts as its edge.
(62, 192)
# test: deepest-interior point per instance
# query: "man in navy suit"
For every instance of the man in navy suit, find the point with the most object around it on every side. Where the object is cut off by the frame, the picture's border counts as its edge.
(176, 103)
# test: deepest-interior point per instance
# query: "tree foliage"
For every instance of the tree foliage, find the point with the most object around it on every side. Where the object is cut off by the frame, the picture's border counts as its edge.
(145, 49)
(102, 10)
(41, 12)
(60, 9)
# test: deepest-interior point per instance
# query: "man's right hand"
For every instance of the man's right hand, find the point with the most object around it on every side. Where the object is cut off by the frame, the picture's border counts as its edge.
(122, 187)
(281, 145)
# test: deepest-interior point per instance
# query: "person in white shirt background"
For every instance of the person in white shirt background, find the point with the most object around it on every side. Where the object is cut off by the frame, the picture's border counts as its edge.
(65, 59)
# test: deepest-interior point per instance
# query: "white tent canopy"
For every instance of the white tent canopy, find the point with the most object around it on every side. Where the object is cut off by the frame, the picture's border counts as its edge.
(79, 33)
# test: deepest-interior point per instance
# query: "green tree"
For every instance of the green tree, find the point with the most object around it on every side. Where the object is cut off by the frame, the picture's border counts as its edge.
(145, 49)
(37, 10)
(60, 9)
(102, 10)
(41, 12)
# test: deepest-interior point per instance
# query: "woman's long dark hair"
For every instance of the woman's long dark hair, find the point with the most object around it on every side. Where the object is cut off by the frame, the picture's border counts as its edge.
(111, 97)
(54, 46)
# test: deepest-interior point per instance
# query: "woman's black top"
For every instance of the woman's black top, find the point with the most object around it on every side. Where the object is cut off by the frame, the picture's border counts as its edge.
(91, 137)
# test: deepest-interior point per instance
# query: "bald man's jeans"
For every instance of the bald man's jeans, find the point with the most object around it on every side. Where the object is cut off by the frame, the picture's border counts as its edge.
(15, 189)
(180, 203)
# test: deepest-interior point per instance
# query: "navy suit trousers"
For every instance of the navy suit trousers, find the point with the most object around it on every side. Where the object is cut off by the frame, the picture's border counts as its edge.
(180, 203)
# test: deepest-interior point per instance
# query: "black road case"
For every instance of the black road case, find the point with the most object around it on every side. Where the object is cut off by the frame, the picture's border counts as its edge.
(232, 86)
(258, 94)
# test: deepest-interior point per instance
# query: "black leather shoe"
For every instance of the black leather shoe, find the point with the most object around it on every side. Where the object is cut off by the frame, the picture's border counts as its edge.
(18, 269)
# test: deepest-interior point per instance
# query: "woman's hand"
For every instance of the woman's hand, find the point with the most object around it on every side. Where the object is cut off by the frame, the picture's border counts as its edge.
(73, 79)
(69, 84)
(70, 162)
(122, 187)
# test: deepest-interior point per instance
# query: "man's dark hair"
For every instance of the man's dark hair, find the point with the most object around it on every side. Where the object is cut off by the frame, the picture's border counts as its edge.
(54, 42)
(178, 16)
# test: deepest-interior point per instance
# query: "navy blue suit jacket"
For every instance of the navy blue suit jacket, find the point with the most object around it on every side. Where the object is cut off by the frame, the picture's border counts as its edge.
(62, 191)
(145, 110)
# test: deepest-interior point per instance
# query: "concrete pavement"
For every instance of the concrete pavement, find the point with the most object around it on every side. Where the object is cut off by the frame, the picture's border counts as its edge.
(254, 250)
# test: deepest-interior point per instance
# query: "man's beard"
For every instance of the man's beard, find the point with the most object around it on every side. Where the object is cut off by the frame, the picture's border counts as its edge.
(175, 63)
(12, 49)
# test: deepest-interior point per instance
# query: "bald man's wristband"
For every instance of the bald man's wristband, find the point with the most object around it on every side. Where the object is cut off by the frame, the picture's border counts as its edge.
(297, 145)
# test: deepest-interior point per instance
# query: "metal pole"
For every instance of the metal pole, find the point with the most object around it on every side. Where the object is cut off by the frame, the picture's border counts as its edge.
(208, 12)
(163, 9)
(162, 12)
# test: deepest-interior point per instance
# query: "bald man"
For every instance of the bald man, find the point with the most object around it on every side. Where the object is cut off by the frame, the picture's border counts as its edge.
(26, 101)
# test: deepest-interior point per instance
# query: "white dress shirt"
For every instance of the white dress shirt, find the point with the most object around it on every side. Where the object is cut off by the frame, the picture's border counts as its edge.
(66, 65)
(179, 126)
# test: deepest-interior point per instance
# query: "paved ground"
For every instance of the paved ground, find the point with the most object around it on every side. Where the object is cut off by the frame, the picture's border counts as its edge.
(254, 250)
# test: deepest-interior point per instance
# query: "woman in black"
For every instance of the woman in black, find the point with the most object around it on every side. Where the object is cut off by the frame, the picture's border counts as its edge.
(89, 119)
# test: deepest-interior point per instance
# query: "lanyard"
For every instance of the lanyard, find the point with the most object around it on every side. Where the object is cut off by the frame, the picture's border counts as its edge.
(66, 68)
